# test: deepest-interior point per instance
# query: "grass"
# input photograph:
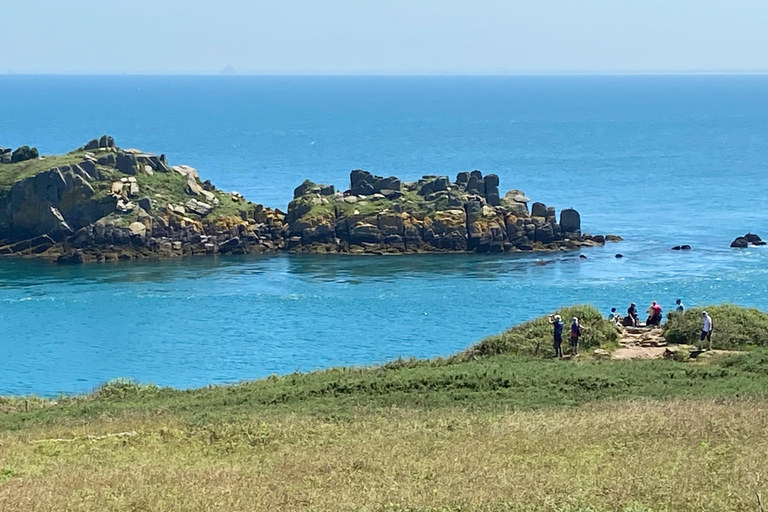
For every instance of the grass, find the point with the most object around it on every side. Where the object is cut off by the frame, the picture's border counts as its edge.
(163, 188)
(10, 173)
(735, 328)
(535, 337)
(703, 455)
(506, 432)
(410, 201)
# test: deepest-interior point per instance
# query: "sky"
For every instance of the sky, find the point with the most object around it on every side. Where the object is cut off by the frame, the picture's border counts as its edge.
(383, 36)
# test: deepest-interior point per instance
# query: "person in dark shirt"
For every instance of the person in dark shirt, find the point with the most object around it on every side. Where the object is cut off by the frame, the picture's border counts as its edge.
(632, 314)
(557, 324)
(680, 307)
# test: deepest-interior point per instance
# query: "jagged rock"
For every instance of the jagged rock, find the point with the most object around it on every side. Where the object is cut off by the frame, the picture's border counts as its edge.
(230, 245)
(108, 160)
(71, 258)
(199, 207)
(91, 145)
(390, 183)
(145, 204)
(23, 154)
(106, 142)
(303, 188)
(138, 229)
(492, 189)
(126, 163)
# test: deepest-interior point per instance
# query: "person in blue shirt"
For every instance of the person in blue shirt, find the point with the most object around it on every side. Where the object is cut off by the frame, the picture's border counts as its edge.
(557, 324)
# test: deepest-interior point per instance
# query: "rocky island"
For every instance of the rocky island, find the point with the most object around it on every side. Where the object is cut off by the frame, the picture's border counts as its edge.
(102, 203)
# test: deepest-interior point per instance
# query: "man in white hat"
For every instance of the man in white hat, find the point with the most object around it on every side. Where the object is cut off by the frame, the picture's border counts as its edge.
(557, 323)
(706, 330)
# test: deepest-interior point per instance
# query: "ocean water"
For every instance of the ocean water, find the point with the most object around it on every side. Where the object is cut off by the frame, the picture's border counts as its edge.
(660, 160)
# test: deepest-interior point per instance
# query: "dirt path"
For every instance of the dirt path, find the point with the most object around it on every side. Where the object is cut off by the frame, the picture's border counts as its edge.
(641, 343)
(645, 343)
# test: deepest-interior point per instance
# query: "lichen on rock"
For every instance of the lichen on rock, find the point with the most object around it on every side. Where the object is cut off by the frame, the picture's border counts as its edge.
(385, 215)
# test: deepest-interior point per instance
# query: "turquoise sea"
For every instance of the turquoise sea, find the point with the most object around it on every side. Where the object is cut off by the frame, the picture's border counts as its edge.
(660, 160)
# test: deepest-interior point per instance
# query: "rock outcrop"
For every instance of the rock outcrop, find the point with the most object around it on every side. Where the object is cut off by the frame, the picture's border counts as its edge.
(745, 241)
(102, 202)
(108, 204)
(22, 154)
(385, 215)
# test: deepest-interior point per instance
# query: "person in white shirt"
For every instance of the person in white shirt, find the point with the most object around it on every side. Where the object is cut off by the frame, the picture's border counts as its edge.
(706, 330)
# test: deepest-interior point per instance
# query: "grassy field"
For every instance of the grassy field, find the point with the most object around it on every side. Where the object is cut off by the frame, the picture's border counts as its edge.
(498, 433)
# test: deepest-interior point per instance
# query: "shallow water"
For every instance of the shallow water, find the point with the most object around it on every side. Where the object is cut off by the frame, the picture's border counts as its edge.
(660, 160)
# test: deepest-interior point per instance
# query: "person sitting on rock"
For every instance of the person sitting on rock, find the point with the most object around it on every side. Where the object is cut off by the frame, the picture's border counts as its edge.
(576, 329)
(558, 325)
(631, 320)
(654, 315)
(706, 330)
(680, 307)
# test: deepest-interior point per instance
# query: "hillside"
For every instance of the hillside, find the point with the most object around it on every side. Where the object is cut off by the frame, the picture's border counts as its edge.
(480, 433)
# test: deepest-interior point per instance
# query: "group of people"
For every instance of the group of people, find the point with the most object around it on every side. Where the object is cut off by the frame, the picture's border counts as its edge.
(576, 331)
(654, 319)
(631, 320)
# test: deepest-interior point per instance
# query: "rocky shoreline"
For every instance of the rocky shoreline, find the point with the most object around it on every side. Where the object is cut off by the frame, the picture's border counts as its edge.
(103, 203)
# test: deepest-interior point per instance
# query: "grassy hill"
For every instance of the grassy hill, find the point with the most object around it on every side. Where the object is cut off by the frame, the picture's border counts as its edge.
(497, 432)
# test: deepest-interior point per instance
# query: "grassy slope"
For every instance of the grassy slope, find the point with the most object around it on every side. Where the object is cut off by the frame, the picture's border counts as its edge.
(163, 187)
(499, 433)
(10, 173)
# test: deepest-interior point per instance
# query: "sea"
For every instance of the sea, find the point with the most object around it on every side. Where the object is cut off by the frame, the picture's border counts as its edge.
(660, 160)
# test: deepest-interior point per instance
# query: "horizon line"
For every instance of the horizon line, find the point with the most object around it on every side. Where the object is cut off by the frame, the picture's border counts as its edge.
(426, 74)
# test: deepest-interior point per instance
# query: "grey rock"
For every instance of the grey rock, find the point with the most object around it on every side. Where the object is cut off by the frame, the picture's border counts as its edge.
(539, 210)
(91, 145)
(570, 221)
(23, 154)
(199, 207)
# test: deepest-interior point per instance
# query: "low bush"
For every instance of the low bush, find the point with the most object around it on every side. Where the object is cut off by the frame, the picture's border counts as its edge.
(535, 337)
(734, 327)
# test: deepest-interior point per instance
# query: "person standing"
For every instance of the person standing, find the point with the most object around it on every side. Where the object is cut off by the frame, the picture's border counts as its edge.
(706, 330)
(557, 324)
(680, 307)
(654, 315)
(576, 329)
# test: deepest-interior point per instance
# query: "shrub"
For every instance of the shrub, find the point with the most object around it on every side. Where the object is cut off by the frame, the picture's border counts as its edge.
(734, 327)
(122, 388)
(535, 337)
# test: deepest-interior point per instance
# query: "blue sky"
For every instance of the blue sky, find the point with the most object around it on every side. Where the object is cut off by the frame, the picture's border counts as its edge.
(383, 37)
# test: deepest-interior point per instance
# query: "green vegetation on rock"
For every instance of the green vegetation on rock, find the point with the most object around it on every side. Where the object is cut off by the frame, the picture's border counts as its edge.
(735, 328)
(10, 173)
(535, 337)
